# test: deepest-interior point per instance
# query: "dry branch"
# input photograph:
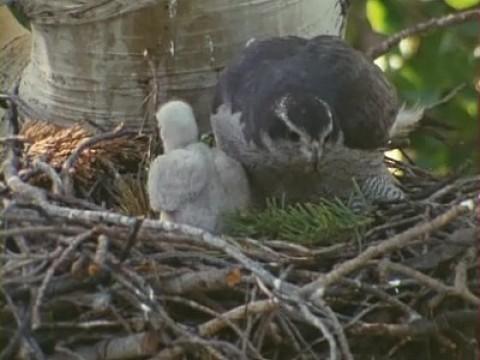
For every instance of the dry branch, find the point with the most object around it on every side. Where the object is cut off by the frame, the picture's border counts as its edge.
(422, 327)
(422, 28)
(317, 288)
(431, 283)
(128, 347)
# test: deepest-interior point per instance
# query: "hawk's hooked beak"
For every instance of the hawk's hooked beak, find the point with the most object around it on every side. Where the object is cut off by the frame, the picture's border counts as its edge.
(315, 155)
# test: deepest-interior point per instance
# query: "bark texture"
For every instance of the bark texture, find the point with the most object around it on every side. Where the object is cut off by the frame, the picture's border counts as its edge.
(87, 57)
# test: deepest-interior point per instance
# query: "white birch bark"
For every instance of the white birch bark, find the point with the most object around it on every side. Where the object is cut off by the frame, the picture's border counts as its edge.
(87, 55)
(14, 52)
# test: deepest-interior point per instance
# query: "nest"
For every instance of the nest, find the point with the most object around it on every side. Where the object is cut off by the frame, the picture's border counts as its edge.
(82, 281)
(54, 144)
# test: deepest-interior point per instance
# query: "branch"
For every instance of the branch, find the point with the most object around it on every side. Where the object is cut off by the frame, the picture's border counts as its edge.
(68, 165)
(74, 243)
(421, 327)
(57, 185)
(213, 326)
(422, 28)
(127, 347)
(462, 291)
(317, 288)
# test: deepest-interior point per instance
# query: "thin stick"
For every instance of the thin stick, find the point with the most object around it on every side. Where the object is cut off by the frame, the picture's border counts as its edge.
(75, 242)
(317, 288)
(418, 328)
(422, 28)
(432, 283)
(155, 90)
(57, 185)
(67, 166)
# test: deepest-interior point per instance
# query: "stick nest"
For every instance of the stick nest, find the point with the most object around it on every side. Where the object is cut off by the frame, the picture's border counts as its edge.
(84, 279)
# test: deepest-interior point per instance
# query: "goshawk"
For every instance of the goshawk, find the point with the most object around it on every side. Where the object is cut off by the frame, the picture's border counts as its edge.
(308, 118)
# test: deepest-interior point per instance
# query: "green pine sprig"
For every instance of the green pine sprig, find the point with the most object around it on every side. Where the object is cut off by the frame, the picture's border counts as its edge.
(306, 223)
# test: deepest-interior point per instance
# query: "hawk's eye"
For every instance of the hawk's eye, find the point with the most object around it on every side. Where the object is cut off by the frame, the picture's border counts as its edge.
(292, 136)
(329, 137)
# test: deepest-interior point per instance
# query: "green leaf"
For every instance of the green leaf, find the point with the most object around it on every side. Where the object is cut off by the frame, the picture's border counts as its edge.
(462, 4)
(377, 15)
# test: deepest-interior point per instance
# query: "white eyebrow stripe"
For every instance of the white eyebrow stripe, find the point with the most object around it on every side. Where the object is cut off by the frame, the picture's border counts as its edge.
(281, 112)
(329, 113)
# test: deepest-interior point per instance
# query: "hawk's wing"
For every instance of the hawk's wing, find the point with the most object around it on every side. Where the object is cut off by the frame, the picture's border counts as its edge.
(176, 178)
(233, 179)
(246, 72)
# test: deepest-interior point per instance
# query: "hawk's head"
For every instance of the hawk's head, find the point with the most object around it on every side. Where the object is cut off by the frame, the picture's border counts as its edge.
(304, 121)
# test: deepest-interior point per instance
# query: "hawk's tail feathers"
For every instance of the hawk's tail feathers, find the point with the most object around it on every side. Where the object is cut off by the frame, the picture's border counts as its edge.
(406, 120)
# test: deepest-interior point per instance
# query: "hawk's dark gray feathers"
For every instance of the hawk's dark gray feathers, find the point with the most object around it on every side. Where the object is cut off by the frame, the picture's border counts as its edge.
(363, 103)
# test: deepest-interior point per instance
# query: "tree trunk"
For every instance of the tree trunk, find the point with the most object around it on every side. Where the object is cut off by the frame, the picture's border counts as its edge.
(87, 57)
(14, 52)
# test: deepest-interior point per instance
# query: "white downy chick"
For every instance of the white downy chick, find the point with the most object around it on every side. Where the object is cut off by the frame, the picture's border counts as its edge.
(191, 183)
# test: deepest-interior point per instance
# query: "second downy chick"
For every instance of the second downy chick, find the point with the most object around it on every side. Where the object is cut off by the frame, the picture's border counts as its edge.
(191, 183)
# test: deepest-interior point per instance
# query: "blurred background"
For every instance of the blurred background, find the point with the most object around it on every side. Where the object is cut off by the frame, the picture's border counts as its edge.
(426, 69)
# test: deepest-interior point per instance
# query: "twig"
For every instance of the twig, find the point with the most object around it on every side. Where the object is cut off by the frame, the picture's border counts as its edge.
(449, 96)
(213, 326)
(421, 28)
(229, 322)
(155, 92)
(37, 230)
(327, 334)
(132, 237)
(57, 185)
(299, 343)
(421, 327)
(68, 165)
(317, 287)
(207, 280)
(100, 256)
(461, 277)
(11, 161)
(74, 202)
(128, 347)
(23, 328)
(13, 138)
(76, 241)
(23, 324)
(383, 295)
(337, 327)
(430, 282)
(195, 235)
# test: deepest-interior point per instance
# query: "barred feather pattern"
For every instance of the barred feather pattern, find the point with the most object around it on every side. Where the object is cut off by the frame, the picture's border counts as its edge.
(379, 187)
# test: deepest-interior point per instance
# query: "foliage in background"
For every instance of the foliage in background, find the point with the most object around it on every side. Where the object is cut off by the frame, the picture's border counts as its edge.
(424, 69)
(308, 223)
